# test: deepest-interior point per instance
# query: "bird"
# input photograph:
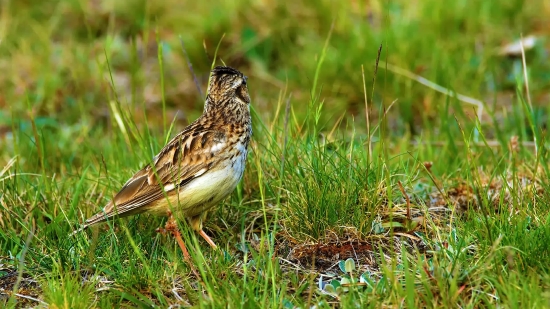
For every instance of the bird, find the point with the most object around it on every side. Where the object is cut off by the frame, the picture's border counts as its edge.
(198, 168)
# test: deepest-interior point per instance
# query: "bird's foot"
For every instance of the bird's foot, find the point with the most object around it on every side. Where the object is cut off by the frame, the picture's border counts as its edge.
(208, 239)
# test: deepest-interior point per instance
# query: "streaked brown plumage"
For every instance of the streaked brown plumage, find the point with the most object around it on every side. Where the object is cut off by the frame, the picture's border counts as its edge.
(200, 166)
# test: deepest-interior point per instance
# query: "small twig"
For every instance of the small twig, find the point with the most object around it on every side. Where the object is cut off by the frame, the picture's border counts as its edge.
(31, 298)
(191, 68)
(175, 293)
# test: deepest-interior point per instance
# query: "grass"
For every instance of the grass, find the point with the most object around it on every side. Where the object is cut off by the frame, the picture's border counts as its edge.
(364, 187)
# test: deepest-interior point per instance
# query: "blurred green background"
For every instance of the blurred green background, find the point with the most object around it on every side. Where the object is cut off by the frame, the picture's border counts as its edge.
(55, 57)
(90, 90)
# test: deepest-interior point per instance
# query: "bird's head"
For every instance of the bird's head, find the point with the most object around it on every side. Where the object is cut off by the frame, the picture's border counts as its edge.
(227, 84)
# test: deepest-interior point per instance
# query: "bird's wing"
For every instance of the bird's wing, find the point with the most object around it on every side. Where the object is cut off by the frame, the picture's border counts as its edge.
(187, 156)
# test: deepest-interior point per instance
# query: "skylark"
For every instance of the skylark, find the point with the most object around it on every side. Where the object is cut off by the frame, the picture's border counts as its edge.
(199, 167)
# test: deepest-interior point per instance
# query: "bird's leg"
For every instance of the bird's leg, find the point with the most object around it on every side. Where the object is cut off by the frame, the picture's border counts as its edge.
(196, 224)
(172, 227)
(208, 239)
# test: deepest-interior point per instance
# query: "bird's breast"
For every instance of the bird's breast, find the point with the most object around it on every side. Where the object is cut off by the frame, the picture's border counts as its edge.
(213, 186)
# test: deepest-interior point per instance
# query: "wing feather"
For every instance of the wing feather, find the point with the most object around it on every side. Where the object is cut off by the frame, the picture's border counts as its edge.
(186, 157)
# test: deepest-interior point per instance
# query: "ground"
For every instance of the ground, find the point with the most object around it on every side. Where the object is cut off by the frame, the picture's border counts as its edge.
(399, 157)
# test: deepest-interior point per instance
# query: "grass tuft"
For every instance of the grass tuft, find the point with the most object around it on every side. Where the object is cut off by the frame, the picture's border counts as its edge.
(399, 157)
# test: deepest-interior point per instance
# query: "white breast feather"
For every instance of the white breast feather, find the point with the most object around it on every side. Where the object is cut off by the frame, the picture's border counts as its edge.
(209, 188)
(217, 147)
